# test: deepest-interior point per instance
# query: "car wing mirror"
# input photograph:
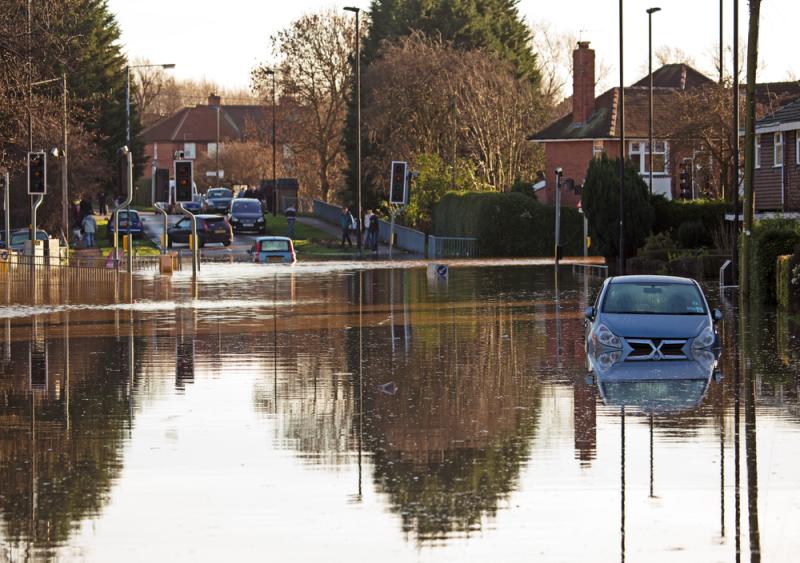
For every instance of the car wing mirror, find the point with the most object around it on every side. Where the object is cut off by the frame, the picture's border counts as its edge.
(717, 315)
(588, 312)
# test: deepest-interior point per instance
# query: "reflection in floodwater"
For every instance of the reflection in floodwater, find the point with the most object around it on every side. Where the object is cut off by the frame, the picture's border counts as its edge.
(376, 409)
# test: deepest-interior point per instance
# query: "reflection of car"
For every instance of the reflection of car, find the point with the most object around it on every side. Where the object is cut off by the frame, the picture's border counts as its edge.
(651, 318)
(18, 238)
(247, 215)
(655, 386)
(129, 223)
(273, 249)
(210, 229)
(217, 200)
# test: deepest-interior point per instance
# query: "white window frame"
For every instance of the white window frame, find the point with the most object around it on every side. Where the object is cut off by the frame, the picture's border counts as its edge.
(757, 151)
(189, 151)
(640, 148)
(797, 146)
(598, 149)
(777, 149)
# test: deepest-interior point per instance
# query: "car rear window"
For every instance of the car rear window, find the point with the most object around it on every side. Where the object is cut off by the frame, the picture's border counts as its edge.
(654, 299)
(275, 246)
(215, 223)
(247, 207)
(124, 215)
(219, 193)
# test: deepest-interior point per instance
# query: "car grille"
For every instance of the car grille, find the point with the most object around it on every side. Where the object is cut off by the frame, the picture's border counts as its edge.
(656, 349)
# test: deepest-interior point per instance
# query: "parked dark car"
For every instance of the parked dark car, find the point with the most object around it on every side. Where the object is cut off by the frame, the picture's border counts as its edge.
(217, 200)
(210, 229)
(247, 215)
(18, 238)
(129, 223)
(650, 318)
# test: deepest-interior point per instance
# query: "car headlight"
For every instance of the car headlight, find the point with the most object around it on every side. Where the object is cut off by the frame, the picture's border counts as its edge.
(234, 220)
(704, 339)
(604, 336)
(608, 359)
(260, 220)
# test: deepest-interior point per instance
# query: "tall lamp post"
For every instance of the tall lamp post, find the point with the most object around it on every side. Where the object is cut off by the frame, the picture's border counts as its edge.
(650, 12)
(357, 12)
(621, 264)
(128, 96)
(271, 73)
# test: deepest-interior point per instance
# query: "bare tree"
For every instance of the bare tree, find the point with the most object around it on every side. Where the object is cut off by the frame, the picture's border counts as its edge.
(314, 74)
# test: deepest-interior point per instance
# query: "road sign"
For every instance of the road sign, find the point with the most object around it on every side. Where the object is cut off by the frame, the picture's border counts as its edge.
(215, 173)
(37, 173)
(398, 183)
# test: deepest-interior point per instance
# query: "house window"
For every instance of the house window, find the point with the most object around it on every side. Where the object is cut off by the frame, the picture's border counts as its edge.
(758, 151)
(598, 149)
(640, 156)
(189, 150)
(797, 143)
(212, 149)
(777, 150)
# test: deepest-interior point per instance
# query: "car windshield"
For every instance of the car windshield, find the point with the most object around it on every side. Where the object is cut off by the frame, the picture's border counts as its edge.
(20, 238)
(247, 207)
(219, 192)
(654, 299)
(123, 216)
(274, 246)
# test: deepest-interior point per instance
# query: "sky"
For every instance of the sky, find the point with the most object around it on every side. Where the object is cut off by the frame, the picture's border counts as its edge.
(222, 40)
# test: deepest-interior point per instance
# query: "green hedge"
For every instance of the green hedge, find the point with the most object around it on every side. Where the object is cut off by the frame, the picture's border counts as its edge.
(704, 215)
(771, 238)
(507, 224)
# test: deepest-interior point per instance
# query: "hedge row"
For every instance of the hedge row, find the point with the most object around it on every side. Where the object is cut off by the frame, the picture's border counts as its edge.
(771, 238)
(699, 219)
(507, 224)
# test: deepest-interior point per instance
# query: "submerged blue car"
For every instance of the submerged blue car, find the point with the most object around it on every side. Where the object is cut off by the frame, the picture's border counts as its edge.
(650, 318)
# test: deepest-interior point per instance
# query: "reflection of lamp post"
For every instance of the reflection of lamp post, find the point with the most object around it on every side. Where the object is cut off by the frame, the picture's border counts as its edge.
(650, 12)
(357, 11)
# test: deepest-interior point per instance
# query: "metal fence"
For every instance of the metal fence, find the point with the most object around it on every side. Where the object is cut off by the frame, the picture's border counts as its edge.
(60, 270)
(452, 247)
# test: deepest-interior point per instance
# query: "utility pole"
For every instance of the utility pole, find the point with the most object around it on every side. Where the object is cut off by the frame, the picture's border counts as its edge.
(735, 171)
(453, 164)
(650, 13)
(64, 162)
(357, 12)
(557, 249)
(749, 145)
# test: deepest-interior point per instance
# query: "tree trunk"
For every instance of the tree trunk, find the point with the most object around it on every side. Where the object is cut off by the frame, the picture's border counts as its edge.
(749, 146)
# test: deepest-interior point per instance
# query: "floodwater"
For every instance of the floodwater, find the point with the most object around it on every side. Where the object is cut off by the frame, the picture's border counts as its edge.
(341, 412)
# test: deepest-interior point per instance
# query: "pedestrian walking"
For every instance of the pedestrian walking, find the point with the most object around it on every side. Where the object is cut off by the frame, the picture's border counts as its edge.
(89, 228)
(374, 226)
(102, 204)
(291, 216)
(367, 234)
(346, 223)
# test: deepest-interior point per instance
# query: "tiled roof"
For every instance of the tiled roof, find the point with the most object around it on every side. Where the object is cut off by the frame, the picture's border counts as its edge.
(604, 122)
(668, 81)
(789, 113)
(199, 124)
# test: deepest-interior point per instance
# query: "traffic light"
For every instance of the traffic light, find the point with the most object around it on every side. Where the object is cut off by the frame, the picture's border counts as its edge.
(183, 180)
(398, 185)
(162, 185)
(37, 173)
(686, 178)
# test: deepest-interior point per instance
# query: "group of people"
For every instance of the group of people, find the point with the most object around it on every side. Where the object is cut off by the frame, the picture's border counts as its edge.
(84, 224)
(349, 224)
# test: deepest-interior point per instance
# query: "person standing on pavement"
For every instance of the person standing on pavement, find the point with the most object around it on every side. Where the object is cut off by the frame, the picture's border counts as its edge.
(373, 231)
(291, 215)
(346, 223)
(89, 228)
(367, 220)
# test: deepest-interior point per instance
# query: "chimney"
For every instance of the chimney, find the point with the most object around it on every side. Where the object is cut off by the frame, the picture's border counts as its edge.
(213, 99)
(582, 83)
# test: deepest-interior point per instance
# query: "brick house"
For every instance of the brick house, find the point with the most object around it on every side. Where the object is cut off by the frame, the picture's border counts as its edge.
(776, 183)
(593, 126)
(197, 130)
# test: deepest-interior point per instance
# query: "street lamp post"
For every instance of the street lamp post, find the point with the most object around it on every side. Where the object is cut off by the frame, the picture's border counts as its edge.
(621, 265)
(271, 73)
(128, 96)
(357, 12)
(650, 12)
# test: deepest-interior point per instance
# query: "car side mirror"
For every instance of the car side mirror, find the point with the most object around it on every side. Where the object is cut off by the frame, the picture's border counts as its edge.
(588, 312)
(717, 315)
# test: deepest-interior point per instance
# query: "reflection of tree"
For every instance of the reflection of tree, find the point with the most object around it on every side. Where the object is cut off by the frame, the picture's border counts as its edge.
(75, 467)
(449, 445)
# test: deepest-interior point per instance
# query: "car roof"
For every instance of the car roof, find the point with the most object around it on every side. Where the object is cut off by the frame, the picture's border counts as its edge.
(651, 279)
(248, 199)
(207, 216)
(260, 239)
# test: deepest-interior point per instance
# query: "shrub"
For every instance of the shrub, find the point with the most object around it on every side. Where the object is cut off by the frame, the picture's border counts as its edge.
(771, 238)
(693, 234)
(670, 215)
(507, 224)
(601, 204)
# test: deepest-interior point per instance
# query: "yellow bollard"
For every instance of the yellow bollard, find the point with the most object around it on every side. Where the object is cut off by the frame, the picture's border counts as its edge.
(164, 240)
(125, 243)
(191, 242)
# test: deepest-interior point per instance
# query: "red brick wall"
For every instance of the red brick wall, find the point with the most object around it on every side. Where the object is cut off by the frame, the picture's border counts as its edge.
(166, 153)
(792, 172)
(767, 180)
(573, 157)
